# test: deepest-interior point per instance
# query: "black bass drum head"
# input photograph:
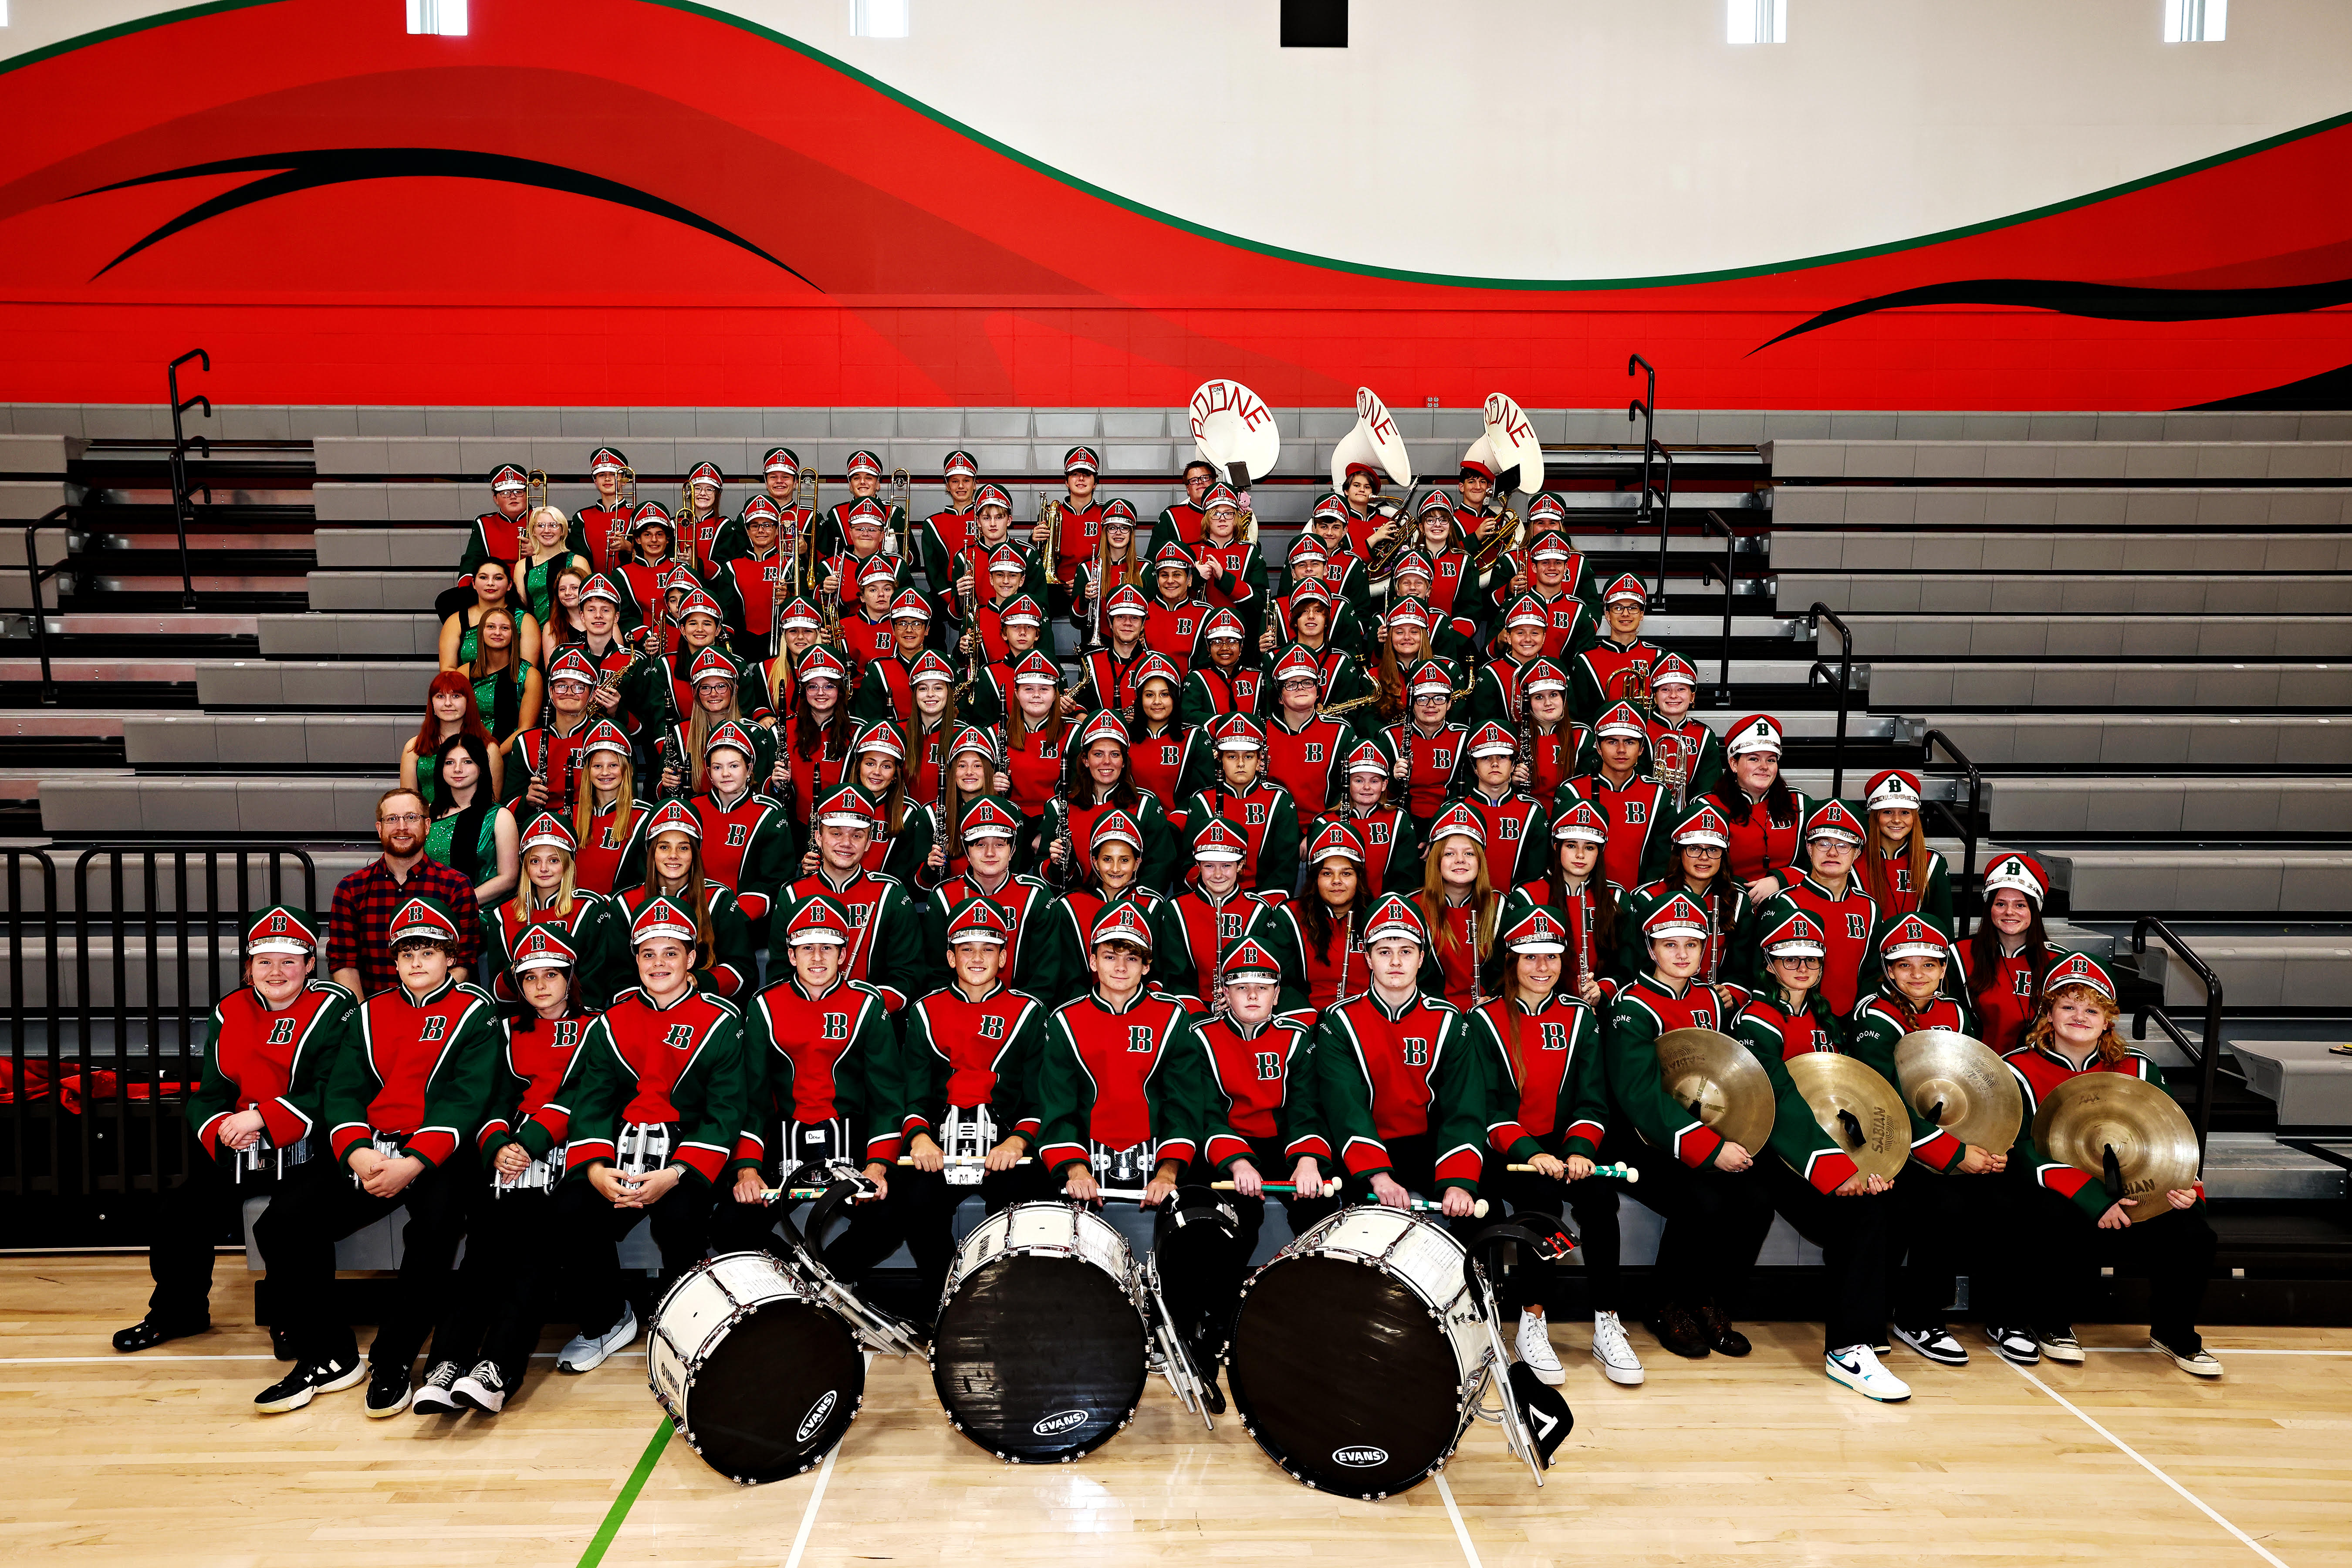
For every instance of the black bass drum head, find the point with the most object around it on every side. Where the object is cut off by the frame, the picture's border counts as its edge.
(1343, 1377)
(776, 1393)
(1039, 1358)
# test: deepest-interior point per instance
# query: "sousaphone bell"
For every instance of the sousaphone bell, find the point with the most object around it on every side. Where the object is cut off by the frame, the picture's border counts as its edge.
(1718, 1080)
(2124, 1130)
(1862, 1113)
(1961, 1086)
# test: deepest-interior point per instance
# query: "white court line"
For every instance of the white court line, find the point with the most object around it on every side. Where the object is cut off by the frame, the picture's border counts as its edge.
(134, 1357)
(1462, 1531)
(2190, 1498)
(808, 1517)
(2217, 1349)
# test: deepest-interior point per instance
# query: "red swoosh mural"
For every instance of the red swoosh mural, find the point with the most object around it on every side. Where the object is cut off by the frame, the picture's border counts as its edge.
(940, 268)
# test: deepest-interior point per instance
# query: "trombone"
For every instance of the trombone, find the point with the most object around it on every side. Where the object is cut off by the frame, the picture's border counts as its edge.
(902, 502)
(535, 489)
(617, 538)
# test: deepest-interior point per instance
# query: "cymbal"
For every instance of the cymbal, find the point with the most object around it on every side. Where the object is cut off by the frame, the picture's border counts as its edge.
(2155, 1146)
(1958, 1083)
(1720, 1081)
(1861, 1112)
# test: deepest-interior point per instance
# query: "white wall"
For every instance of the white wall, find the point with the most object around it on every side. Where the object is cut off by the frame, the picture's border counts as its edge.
(1571, 139)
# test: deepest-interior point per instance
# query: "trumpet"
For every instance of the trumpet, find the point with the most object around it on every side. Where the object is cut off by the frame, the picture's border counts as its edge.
(1492, 549)
(535, 484)
(1672, 761)
(1634, 686)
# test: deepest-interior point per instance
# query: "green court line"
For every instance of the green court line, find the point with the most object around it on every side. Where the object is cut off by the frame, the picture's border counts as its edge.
(627, 1499)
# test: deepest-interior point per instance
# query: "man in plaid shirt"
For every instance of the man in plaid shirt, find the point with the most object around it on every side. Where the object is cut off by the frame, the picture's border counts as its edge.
(364, 901)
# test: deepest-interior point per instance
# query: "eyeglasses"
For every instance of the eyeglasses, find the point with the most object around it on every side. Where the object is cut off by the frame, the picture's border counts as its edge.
(406, 819)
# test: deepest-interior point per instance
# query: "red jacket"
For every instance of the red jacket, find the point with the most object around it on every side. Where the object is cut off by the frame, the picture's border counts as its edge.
(1433, 759)
(1848, 924)
(1120, 1077)
(1255, 1075)
(1301, 760)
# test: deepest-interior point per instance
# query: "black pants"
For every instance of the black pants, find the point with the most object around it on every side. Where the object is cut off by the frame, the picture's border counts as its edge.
(1223, 1269)
(1950, 1225)
(319, 1206)
(928, 1206)
(1592, 1202)
(588, 1231)
(189, 1220)
(852, 1251)
(501, 1301)
(1715, 1225)
(2174, 1253)
(1853, 1234)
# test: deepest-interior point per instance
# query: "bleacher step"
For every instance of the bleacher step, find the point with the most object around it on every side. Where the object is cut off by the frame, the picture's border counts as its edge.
(2146, 739)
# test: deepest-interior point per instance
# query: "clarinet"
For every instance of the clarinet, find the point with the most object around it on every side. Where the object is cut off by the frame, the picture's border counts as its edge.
(1527, 733)
(1584, 934)
(1067, 867)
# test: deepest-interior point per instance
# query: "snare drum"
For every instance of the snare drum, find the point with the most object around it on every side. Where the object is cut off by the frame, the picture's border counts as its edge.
(1354, 1358)
(1039, 1353)
(761, 1379)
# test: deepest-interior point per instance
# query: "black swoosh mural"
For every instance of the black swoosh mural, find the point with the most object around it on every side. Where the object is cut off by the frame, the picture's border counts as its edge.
(313, 168)
(2101, 301)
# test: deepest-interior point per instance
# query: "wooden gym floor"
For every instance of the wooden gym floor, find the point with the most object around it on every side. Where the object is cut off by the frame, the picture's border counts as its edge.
(156, 1460)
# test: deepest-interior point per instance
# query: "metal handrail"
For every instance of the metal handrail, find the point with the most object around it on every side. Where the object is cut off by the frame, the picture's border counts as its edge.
(1712, 520)
(2204, 1055)
(184, 505)
(1645, 409)
(23, 1174)
(35, 575)
(1844, 678)
(1965, 920)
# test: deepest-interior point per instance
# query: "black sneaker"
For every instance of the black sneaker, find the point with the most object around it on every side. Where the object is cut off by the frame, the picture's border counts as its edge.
(433, 1395)
(2188, 1353)
(2059, 1344)
(1936, 1342)
(387, 1392)
(2014, 1345)
(482, 1389)
(309, 1378)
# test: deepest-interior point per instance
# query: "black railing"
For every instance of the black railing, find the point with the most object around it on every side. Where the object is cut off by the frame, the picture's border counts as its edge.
(2204, 1055)
(1713, 522)
(1844, 679)
(1964, 890)
(1655, 502)
(184, 503)
(35, 1036)
(37, 574)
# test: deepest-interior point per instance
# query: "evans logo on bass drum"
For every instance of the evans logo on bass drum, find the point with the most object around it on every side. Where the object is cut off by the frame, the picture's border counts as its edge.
(1063, 1421)
(1360, 1459)
(815, 1417)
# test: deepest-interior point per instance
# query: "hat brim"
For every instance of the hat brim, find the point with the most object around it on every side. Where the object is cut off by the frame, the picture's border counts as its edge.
(282, 944)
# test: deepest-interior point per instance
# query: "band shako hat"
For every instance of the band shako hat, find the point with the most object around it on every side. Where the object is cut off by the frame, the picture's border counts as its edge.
(282, 927)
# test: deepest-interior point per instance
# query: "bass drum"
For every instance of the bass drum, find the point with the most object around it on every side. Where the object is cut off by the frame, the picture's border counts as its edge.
(1354, 1360)
(1039, 1353)
(757, 1378)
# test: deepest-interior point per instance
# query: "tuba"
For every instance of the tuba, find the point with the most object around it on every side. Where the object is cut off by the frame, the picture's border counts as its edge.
(1234, 432)
(1377, 441)
(1510, 447)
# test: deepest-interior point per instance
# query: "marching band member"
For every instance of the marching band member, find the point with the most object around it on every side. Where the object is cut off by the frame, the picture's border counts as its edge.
(715, 705)
(471, 832)
(1398, 1088)
(1830, 892)
(550, 555)
(1410, 577)
(699, 526)
(1428, 747)
(671, 870)
(745, 581)
(885, 688)
(838, 529)
(1199, 925)
(608, 515)
(1568, 621)
(1551, 1110)
(1169, 758)
(268, 1049)
(1303, 748)
(449, 712)
(1056, 965)
(654, 1100)
(1110, 669)
(971, 1046)
(1105, 781)
(1233, 572)
(2002, 966)
(665, 682)
(1901, 873)
(1766, 851)
(1343, 571)
(1685, 754)
(548, 751)
(1518, 829)
(1260, 810)
(748, 838)
(975, 769)
(1562, 747)
(779, 474)
(550, 895)
(1008, 572)
(1172, 622)
(608, 823)
(1460, 906)
(905, 831)
(1221, 681)
(1952, 1201)
(1312, 612)
(1331, 912)
(848, 575)
(929, 727)
(2078, 1223)
(1359, 504)
(801, 627)
(1554, 570)
(1020, 626)
(989, 832)
(1813, 1182)
(488, 1329)
(1082, 520)
(1444, 546)
(1260, 1118)
(886, 938)
(1179, 521)
(1583, 898)
(1123, 567)
(1494, 686)
(409, 1083)
(819, 1053)
(645, 575)
(948, 531)
(990, 547)
(1403, 644)
(607, 650)
(1390, 842)
(1038, 736)
(1615, 667)
(812, 757)
(1696, 873)
(1716, 1214)
(492, 586)
(495, 535)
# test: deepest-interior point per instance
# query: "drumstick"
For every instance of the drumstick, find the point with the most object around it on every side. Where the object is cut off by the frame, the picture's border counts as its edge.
(1422, 1205)
(1328, 1189)
(965, 1159)
(1622, 1171)
(802, 1194)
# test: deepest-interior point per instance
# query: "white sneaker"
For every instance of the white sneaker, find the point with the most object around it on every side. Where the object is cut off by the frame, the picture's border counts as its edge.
(1858, 1368)
(482, 1389)
(1535, 1350)
(1613, 1351)
(581, 1354)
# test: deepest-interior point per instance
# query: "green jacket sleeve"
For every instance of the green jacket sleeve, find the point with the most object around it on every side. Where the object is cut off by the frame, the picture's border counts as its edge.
(1277, 855)
(1797, 1136)
(1636, 1084)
